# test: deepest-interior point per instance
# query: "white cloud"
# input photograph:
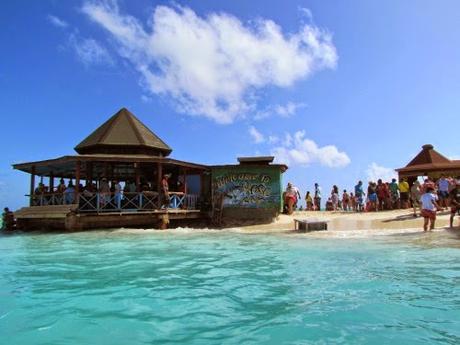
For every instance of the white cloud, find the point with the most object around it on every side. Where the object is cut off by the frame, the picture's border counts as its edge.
(298, 150)
(89, 51)
(146, 99)
(57, 21)
(375, 172)
(211, 66)
(257, 137)
(273, 139)
(287, 110)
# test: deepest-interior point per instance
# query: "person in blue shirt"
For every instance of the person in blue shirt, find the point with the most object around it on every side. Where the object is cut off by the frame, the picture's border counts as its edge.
(359, 194)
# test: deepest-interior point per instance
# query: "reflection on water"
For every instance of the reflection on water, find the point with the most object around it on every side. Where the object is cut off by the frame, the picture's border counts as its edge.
(210, 287)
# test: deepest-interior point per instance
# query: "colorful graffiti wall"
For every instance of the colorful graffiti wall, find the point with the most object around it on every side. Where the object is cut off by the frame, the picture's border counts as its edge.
(248, 187)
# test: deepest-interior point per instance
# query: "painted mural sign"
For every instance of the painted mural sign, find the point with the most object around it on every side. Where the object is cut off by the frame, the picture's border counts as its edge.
(248, 187)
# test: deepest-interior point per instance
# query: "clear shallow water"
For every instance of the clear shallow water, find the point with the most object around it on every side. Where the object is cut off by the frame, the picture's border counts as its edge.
(122, 287)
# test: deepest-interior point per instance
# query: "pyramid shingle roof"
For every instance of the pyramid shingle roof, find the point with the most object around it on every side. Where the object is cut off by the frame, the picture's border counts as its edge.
(428, 155)
(123, 133)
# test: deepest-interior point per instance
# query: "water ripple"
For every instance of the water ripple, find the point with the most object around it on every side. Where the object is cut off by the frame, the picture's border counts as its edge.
(226, 288)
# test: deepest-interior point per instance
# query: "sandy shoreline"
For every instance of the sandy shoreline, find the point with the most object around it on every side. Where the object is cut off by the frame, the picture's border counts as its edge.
(347, 224)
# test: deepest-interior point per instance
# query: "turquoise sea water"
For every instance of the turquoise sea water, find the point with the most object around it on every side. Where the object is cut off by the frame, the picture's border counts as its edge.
(151, 287)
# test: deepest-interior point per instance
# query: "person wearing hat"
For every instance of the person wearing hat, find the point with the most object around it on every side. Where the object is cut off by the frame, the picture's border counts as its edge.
(454, 202)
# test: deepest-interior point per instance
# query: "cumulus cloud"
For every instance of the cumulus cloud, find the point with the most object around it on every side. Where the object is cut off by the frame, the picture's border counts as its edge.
(375, 172)
(211, 66)
(57, 21)
(89, 51)
(298, 150)
(257, 137)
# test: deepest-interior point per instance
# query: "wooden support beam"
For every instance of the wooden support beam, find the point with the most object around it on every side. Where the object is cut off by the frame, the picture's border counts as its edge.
(51, 184)
(32, 185)
(77, 181)
(159, 176)
(138, 176)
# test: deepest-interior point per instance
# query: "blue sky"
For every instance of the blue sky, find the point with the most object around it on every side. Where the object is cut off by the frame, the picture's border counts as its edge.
(341, 90)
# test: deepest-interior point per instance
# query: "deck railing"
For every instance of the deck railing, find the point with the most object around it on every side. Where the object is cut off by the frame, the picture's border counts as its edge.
(113, 202)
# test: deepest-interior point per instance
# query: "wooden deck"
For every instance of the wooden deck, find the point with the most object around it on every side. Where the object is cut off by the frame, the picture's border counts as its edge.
(66, 217)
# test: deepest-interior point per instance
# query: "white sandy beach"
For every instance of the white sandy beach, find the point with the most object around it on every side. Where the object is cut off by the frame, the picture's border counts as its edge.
(365, 224)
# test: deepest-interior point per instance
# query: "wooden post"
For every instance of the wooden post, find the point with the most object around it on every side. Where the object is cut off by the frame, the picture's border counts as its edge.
(185, 180)
(201, 184)
(138, 177)
(159, 176)
(32, 185)
(77, 182)
(106, 170)
(89, 172)
(51, 184)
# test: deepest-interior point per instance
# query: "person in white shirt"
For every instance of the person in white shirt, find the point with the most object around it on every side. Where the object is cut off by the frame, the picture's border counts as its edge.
(429, 207)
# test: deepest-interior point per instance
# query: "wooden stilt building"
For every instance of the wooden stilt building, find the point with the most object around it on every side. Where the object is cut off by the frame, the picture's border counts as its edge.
(122, 149)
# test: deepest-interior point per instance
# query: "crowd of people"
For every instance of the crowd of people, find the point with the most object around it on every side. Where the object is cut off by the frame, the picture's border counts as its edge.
(428, 197)
(110, 192)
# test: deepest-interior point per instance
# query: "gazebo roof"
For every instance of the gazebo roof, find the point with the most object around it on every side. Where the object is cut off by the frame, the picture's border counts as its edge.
(429, 161)
(123, 133)
(428, 155)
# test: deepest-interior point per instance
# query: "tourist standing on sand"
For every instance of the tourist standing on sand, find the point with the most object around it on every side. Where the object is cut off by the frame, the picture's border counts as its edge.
(345, 201)
(429, 208)
(443, 191)
(335, 197)
(317, 197)
(415, 194)
(382, 195)
(309, 201)
(454, 202)
(359, 195)
(394, 193)
(404, 193)
(372, 195)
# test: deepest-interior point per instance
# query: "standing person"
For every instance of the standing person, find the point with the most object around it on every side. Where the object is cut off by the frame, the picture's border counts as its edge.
(353, 202)
(335, 197)
(7, 219)
(404, 193)
(429, 207)
(317, 197)
(415, 194)
(359, 194)
(394, 193)
(382, 195)
(345, 200)
(69, 193)
(443, 190)
(372, 195)
(117, 191)
(165, 200)
(454, 202)
(291, 197)
(61, 187)
(309, 201)
(104, 190)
